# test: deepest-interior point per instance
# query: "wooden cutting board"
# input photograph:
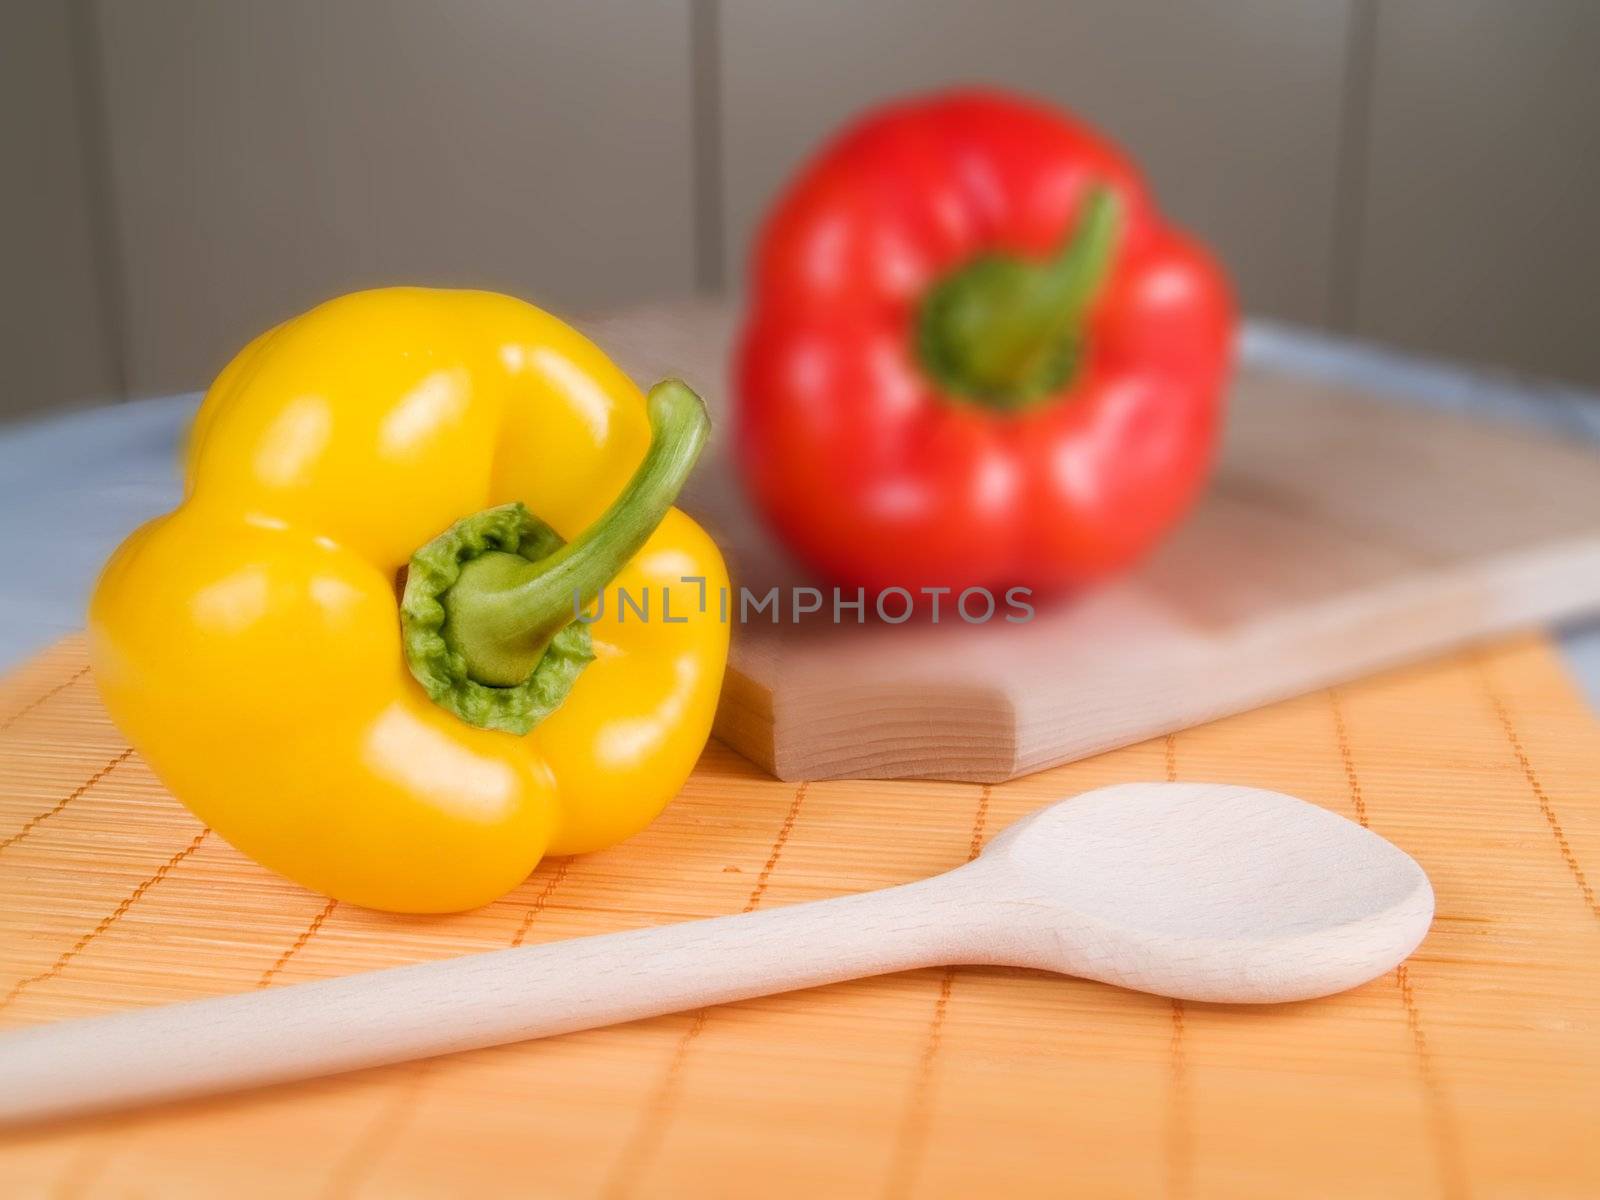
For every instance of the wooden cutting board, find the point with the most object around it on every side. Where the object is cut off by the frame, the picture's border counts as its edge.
(1472, 1071)
(1342, 534)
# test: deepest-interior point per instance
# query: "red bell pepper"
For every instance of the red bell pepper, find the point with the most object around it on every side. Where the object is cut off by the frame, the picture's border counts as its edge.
(975, 355)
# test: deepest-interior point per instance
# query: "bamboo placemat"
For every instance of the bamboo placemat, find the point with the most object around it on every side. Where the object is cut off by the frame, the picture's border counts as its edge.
(1474, 1069)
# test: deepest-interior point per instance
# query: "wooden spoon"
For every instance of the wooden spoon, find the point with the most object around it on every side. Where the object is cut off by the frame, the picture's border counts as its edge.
(1198, 891)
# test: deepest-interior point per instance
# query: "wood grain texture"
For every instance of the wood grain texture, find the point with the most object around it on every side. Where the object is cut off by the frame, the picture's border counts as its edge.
(1341, 535)
(1475, 1071)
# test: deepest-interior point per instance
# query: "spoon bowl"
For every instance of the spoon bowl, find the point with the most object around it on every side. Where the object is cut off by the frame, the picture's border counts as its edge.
(1205, 892)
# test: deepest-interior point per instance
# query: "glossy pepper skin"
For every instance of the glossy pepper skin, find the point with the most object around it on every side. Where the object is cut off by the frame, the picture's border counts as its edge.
(975, 356)
(250, 643)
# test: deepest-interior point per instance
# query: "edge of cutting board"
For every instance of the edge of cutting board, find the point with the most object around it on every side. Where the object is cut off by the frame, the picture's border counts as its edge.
(979, 732)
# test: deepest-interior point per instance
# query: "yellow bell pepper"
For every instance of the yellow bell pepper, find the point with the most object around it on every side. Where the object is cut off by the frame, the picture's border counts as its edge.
(352, 651)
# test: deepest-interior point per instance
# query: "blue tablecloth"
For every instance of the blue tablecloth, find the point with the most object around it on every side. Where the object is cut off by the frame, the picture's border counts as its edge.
(72, 486)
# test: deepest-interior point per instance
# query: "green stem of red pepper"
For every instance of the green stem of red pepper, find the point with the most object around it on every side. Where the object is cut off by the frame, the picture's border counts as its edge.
(1006, 333)
(490, 605)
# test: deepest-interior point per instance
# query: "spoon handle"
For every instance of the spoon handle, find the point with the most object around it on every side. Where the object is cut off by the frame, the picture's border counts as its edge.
(365, 1020)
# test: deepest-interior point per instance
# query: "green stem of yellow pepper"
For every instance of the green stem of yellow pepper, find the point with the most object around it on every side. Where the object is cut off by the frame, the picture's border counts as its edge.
(490, 605)
(504, 610)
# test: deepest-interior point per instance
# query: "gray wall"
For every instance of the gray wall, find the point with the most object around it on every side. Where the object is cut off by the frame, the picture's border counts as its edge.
(58, 340)
(185, 172)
